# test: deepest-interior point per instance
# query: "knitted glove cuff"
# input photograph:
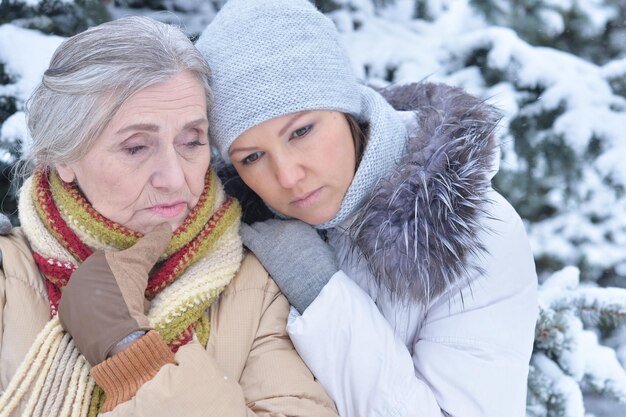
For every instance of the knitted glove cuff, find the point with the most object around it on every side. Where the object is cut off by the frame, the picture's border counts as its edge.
(123, 374)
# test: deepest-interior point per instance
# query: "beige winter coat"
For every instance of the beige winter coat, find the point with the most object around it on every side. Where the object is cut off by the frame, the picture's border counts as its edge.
(249, 367)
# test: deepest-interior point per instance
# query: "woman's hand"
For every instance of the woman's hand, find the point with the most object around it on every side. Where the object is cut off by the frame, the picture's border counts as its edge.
(294, 254)
(104, 299)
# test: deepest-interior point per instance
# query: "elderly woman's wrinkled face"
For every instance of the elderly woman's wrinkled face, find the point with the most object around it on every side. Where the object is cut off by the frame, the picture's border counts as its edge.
(149, 164)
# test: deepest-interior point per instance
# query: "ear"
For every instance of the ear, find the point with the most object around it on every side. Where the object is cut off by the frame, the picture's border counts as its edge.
(66, 172)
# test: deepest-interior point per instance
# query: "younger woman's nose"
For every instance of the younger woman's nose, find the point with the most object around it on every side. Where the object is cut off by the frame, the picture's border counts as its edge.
(289, 172)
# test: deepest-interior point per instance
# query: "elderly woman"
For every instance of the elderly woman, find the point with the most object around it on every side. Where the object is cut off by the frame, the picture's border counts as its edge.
(126, 291)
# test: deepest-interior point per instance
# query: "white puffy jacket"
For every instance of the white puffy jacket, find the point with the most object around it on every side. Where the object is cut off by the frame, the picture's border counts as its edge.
(464, 356)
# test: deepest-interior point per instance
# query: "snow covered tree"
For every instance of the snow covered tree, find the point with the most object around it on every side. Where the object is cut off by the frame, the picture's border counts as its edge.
(561, 166)
(593, 29)
(60, 17)
(568, 359)
(190, 15)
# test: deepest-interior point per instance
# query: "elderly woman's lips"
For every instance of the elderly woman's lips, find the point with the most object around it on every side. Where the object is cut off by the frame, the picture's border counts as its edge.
(168, 210)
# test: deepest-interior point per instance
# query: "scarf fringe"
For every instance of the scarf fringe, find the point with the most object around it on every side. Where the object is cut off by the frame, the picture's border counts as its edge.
(54, 375)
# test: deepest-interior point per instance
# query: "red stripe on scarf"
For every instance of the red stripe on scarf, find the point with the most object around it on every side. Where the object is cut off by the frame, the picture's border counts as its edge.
(54, 296)
(60, 229)
(58, 272)
(57, 275)
(182, 339)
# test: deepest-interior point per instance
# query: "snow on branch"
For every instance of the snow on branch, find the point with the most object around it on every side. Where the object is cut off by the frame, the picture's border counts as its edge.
(568, 358)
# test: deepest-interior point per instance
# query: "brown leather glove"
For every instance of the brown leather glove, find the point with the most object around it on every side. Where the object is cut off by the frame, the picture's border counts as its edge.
(104, 299)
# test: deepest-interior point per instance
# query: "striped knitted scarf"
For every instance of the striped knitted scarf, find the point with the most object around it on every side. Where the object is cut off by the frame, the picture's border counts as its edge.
(63, 229)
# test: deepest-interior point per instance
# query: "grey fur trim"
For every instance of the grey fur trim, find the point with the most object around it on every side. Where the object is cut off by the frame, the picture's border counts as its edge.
(419, 228)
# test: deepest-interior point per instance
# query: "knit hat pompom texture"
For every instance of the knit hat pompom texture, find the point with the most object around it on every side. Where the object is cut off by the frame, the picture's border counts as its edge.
(270, 58)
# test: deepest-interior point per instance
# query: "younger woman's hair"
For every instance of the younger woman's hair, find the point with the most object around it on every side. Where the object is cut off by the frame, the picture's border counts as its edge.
(92, 74)
(359, 133)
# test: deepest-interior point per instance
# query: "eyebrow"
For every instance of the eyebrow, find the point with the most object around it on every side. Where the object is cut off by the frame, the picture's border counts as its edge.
(150, 127)
(281, 132)
(243, 149)
(291, 121)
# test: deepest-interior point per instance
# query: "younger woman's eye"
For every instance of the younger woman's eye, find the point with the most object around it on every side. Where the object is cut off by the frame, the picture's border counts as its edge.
(301, 131)
(252, 158)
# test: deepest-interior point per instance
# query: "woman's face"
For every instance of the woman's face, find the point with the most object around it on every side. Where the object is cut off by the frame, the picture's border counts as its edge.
(148, 165)
(300, 164)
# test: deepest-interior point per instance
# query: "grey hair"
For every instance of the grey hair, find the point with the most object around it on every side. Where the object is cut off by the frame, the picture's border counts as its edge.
(92, 74)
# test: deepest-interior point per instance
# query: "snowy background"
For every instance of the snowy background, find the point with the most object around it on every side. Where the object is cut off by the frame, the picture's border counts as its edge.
(556, 69)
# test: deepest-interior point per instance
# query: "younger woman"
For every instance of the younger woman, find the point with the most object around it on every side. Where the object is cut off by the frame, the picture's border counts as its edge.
(422, 301)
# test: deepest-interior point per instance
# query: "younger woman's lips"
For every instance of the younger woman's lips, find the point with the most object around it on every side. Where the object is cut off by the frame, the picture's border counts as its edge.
(307, 199)
(168, 211)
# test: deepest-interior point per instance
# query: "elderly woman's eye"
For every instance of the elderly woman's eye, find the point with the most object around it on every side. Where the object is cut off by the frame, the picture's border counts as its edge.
(194, 138)
(194, 143)
(132, 150)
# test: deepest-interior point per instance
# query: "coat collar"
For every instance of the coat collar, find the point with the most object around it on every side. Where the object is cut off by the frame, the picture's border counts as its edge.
(418, 230)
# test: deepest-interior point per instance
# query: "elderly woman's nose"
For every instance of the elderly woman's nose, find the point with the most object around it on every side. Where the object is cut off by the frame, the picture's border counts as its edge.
(169, 173)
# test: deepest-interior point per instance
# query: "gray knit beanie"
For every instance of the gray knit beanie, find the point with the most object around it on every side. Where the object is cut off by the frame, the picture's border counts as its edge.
(270, 58)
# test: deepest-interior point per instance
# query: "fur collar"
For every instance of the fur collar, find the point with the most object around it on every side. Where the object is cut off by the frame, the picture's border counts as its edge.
(418, 230)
